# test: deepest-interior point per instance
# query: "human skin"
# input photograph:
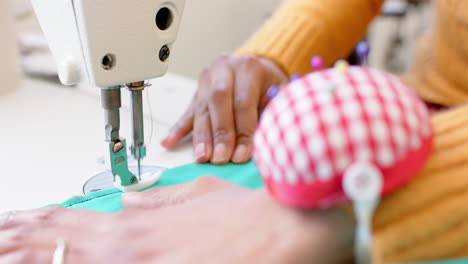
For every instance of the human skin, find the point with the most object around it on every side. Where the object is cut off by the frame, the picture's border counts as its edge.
(223, 224)
(224, 112)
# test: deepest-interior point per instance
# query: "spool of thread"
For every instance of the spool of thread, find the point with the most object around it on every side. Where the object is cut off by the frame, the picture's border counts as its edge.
(9, 69)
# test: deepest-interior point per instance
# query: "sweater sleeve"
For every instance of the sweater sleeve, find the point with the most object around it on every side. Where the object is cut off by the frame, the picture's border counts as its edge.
(301, 29)
(428, 218)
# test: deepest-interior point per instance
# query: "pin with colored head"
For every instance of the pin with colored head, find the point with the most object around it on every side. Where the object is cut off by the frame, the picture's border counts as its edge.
(362, 50)
(317, 62)
(363, 184)
(342, 66)
(273, 91)
(294, 77)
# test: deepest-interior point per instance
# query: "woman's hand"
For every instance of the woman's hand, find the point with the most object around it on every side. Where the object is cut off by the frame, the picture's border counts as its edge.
(220, 226)
(160, 197)
(224, 112)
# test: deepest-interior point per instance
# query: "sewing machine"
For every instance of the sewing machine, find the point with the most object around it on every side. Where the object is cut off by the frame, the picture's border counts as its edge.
(113, 44)
(9, 70)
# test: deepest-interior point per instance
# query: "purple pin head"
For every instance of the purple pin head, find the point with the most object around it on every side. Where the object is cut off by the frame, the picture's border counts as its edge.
(317, 62)
(362, 50)
(273, 91)
(294, 77)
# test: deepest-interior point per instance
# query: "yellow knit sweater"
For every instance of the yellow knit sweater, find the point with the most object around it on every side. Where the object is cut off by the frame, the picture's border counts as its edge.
(301, 29)
(427, 219)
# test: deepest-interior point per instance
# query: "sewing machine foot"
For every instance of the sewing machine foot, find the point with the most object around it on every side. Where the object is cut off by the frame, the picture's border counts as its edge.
(105, 180)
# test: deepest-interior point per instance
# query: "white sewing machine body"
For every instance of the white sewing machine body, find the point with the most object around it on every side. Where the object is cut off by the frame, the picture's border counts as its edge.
(109, 42)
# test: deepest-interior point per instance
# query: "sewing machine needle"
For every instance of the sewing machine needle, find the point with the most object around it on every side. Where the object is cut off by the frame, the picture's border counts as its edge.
(138, 146)
(139, 169)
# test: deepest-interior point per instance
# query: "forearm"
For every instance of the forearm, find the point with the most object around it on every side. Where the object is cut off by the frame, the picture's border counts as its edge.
(303, 28)
(305, 236)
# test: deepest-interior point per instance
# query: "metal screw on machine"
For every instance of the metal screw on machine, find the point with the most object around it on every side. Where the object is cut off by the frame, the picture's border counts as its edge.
(118, 147)
(164, 53)
(108, 62)
(133, 180)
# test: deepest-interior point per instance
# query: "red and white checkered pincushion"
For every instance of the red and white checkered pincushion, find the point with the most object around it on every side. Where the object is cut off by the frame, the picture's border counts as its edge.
(320, 125)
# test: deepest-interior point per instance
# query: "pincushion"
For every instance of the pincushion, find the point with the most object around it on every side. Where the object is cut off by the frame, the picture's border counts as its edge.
(321, 126)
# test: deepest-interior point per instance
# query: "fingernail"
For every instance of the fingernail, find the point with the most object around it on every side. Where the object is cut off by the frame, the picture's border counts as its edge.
(220, 154)
(169, 137)
(200, 151)
(241, 154)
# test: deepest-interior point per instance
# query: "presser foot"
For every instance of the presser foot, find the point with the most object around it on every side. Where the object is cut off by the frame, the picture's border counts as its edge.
(106, 180)
(147, 179)
(122, 177)
(117, 162)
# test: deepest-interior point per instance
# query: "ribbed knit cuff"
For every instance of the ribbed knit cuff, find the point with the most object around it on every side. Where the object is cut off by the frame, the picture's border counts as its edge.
(288, 43)
(439, 72)
(428, 218)
(303, 28)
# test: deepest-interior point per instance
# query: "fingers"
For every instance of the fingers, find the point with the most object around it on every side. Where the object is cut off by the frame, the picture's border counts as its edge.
(273, 75)
(224, 112)
(222, 115)
(17, 218)
(181, 129)
(177, 194)
(41, 227)
(49, 216)
(91, 236)
(19, 238)
(22, 245)
(27, 256)
(246, 103)
(37, 237)
(202, 138)
(40, 256)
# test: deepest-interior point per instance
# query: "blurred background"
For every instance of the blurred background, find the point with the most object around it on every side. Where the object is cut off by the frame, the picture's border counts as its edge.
(210, 27)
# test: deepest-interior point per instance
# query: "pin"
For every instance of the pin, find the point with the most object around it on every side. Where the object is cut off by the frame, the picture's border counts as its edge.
(317, 62)
(363, 184)
(362, 50)
(294, 77)
(273, 91)
(342, 66)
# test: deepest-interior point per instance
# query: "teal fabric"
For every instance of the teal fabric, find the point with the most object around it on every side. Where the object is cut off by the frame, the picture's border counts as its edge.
(110, 200)
(245, 174)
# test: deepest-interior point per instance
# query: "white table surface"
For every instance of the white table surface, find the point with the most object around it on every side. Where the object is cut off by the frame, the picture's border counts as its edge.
(51, 137)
